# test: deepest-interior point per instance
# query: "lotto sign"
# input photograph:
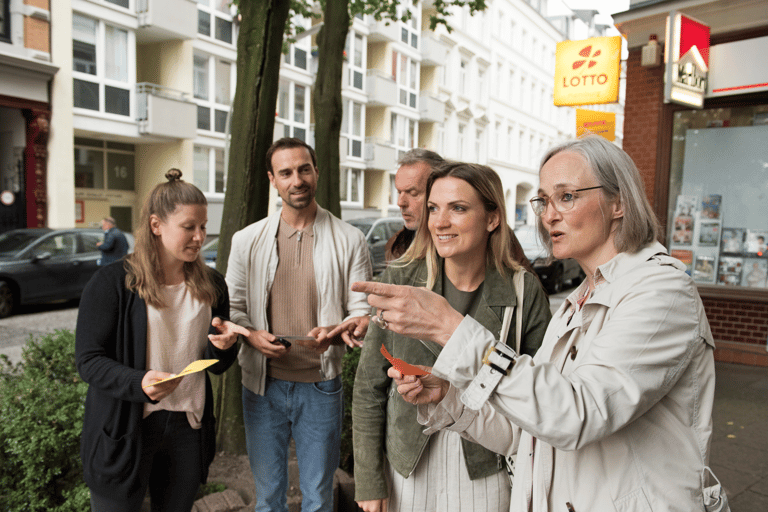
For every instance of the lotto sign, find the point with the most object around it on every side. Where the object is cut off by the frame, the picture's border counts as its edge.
(587, 71)
(599, 123)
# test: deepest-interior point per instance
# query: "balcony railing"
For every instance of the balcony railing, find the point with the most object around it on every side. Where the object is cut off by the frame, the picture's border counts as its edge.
(431, 108)
(381, 88)
(433, 51)
(381, 31)
(379, 154)
(165, 112)
(166, 20)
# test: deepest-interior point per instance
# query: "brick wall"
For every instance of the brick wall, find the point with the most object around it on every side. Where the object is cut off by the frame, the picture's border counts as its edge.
(642, 116)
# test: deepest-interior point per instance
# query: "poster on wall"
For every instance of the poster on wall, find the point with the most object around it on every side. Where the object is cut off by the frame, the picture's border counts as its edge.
(710, 206)
(732, 241)
(729, 273)
(704, 269)
(756, 242)
(709, 233)
(685, 256)
(755, 273)
(683, 222)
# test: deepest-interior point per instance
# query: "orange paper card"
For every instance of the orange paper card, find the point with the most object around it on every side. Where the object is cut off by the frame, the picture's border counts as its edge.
(402, 366)
(193, 367)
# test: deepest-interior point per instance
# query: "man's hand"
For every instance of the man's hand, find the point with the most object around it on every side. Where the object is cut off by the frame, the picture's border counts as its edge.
(264, 342)
(228, 332)
(352, 330)
(426, 389)
(322, 340)
(373, 505)
(161, 390)
(413, 312)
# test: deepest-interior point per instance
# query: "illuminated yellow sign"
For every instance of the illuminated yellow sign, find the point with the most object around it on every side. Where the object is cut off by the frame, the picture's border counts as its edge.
(599, 123)
(587, 71)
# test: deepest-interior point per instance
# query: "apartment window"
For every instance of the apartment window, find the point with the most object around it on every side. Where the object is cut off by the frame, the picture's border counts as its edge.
(209, 173)
(481, 84)
(511, 85)
(292, 101)
(463, 66)
(212, 74)
(5, 21)
(409, 31)
(500, 25)
(510, 144)
(404, 133)
(522, 91)
(499, 144)
(351, 185)
(352, 127)
(512, 33)
(121, 3)
(406, 73)
(297, 55)
(478, 146)
(460, 141)
(214, 19)
(104, 165)
(356, 49)
(100, 65)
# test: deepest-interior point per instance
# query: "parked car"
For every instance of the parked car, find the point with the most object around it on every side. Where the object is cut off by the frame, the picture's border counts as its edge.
(377, 231)
(210, 250)
(44, 265)
(555, 274)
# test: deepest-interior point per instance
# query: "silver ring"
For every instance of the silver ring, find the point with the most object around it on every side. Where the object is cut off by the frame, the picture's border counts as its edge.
(379, 320)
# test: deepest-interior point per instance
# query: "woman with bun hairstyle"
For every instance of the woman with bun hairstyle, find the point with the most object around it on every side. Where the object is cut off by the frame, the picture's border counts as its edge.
(141, 320)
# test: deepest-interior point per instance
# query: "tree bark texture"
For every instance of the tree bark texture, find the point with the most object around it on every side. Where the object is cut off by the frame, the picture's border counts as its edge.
(327, 104)
(259, 46)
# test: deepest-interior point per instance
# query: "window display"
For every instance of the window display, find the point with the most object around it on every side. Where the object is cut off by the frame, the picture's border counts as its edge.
(718, 195)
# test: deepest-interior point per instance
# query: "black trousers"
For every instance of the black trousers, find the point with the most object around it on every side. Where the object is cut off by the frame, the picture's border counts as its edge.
(171, 466)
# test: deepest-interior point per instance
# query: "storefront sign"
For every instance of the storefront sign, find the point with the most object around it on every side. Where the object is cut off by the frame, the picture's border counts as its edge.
(686, 54)
(737, 67)
(587, 71)
(599, 123)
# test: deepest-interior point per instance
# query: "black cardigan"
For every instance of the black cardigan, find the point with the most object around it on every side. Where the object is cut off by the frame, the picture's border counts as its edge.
(111, 352)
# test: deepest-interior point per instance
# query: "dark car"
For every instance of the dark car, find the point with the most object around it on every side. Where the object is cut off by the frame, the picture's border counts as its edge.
(44, 265)
(377, 231)
(555, 274)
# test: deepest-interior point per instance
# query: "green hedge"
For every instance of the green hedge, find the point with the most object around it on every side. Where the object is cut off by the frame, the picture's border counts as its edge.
(41, 405)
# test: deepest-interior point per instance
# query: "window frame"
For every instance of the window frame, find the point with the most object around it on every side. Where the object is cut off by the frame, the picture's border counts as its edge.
(290, 125)
(214, 14)
(5, 27)
(210, 189)
(105, 151)
(210, 103)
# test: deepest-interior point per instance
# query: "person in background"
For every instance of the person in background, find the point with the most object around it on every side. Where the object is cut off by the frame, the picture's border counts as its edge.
(290, 275)
(615, 410)
(140, 321)
(115, 245)
(461, 251)
(414, 168)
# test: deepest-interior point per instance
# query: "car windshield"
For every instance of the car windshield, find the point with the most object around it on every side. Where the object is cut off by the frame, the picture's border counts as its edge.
(363, 226)
(529, 240)
(14, 241)
(213, 245)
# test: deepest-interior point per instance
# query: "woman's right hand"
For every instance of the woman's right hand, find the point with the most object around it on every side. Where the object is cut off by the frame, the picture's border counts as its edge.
(162, 390)
(373, 505)
(426, 389)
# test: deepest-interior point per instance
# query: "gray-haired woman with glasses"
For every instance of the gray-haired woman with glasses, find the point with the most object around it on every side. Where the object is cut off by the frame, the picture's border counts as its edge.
(614, 410)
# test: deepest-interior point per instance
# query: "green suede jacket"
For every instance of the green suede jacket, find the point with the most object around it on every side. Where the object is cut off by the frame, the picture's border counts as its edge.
(383, 423)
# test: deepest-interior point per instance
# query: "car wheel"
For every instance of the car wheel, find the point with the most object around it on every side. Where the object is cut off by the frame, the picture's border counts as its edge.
(556, 283)
(7, 299)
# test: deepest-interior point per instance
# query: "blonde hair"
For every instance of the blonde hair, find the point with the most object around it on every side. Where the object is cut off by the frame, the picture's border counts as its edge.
(488, 186)
(144, 271)
(620, 180)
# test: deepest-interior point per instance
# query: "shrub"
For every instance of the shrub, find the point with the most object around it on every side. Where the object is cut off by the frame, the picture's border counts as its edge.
(41, 406)
(350, 361)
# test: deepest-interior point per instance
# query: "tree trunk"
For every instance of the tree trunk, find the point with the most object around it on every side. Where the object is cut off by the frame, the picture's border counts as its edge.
(246, 199)
(326, 101)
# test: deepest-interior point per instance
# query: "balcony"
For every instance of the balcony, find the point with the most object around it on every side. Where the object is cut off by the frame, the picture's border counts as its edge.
(431, 108)
(433, 51)
(166, 20)
(381, 32)
(164, 112)
(381, 89)
(379, 154)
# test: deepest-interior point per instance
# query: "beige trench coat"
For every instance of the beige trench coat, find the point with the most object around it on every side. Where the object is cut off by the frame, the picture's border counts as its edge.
(614, 413)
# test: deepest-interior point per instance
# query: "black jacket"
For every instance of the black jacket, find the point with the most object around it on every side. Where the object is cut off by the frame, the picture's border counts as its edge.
(111, 352)
(115, 246)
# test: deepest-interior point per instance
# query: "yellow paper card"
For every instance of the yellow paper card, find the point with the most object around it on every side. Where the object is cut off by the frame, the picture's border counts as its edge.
(193, 367)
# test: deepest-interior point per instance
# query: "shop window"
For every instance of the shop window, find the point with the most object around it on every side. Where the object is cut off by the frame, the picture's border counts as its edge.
(101, 66)
(104, 165)
(209, 172)
(717, 195)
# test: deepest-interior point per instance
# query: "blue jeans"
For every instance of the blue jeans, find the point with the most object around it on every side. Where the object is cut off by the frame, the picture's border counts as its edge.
(311, 414)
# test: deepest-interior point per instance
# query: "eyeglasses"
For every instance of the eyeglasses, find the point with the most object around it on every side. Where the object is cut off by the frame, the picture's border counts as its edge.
(562, 201)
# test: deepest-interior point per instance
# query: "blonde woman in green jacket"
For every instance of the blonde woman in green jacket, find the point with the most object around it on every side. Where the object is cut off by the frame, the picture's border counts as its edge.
(462, 252)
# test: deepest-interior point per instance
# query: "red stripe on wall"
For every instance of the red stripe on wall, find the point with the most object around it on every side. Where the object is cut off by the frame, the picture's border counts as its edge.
(740, 87)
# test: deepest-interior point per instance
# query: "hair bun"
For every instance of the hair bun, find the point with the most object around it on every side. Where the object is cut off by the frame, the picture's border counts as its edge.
(173, 175)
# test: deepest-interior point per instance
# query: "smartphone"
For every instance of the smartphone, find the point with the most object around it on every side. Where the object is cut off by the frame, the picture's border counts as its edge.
(284, 342)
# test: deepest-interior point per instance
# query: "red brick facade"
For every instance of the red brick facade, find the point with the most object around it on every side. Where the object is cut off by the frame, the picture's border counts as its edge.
(740, 328)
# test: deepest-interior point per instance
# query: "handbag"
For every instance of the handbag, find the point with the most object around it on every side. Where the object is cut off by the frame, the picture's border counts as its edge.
(715, 499)
(518, 280)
